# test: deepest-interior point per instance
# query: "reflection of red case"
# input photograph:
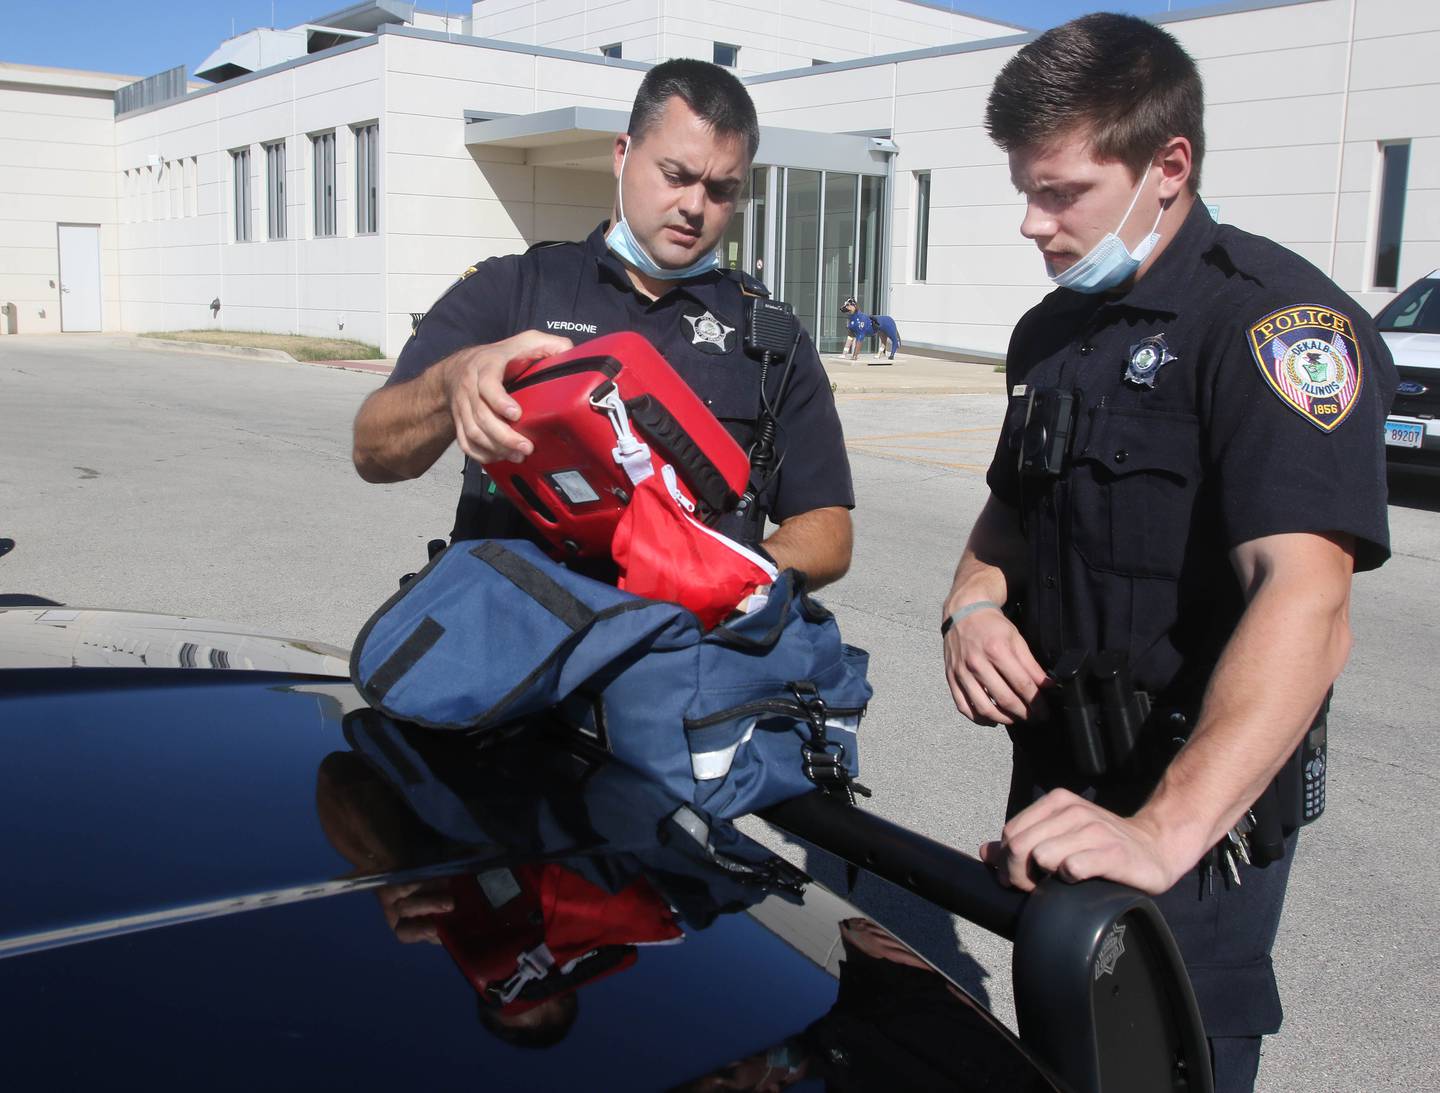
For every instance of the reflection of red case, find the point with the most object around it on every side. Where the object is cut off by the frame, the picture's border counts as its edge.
(502, 915)
(570, 487)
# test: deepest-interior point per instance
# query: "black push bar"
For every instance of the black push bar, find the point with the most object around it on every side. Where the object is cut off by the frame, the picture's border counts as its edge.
(1101, 992)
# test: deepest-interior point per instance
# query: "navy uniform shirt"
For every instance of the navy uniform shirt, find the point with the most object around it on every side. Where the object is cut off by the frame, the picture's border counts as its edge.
(1265, 415)
(581, 291)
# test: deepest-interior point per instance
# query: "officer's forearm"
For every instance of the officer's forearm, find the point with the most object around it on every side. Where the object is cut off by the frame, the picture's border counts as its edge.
(401, 431)
(1288, 649)
(818, 542)
(993, 559)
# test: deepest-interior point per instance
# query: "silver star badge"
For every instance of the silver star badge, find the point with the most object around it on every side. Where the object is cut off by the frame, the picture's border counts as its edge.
(1147, 357)
(709, 330)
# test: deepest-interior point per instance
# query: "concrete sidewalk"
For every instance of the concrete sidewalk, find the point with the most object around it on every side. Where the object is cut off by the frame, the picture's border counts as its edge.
(911, 374)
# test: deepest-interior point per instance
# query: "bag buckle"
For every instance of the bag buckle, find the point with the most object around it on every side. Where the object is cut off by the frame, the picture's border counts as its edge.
(823, 759)
(631, 453)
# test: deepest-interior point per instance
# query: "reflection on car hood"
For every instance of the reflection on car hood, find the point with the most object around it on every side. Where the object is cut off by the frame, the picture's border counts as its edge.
(1413, 350)
(256, 816)
(64, 637)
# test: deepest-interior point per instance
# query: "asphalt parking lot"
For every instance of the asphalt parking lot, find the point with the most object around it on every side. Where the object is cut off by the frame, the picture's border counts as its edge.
(222, 488)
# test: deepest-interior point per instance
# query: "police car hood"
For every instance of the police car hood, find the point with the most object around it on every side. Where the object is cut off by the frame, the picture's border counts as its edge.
(1412, 350)
(181, 861)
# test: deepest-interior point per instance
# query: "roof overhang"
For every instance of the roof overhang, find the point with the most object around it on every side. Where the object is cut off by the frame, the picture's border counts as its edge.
(368, 18)
(580, 138)
(252, 51)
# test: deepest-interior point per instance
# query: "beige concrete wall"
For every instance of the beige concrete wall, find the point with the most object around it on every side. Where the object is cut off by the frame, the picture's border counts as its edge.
(57, 166)
(771, 36)
(1295, 121)
(178, 256)
(447, 205)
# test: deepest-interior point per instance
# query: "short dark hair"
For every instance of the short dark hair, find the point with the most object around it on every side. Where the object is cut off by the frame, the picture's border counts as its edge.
(541, 1027)
(1123, 81)
(715, 95)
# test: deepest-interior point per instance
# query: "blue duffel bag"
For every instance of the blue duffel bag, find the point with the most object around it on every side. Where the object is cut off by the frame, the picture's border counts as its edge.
(738, 718)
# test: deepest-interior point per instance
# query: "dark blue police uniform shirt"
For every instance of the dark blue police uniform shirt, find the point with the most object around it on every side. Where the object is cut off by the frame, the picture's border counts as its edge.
(581, 291)
(1129, 548)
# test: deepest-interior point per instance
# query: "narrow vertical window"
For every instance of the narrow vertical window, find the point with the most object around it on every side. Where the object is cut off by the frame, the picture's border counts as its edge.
(1394, 174)
(323, 146)
(366, 192)
(275, 189)
(240, 163)
(922, 224)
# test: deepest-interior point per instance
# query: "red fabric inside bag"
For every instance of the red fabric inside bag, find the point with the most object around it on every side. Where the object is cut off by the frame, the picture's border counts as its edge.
(664, 553)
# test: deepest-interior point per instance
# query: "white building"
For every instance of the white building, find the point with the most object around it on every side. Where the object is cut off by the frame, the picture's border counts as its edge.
(343, 172)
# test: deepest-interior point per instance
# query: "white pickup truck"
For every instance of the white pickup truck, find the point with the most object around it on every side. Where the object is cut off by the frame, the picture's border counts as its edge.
(1410, 325)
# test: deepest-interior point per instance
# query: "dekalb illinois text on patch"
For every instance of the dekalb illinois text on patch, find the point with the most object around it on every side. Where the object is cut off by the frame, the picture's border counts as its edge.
(1308, 355)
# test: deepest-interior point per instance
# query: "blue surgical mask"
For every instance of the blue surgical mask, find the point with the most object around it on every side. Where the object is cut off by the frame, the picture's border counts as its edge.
(1110, 262)
(623, 244)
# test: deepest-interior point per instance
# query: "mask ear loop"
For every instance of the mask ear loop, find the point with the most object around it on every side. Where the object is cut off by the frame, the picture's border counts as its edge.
(620, 181)
(1130, 209)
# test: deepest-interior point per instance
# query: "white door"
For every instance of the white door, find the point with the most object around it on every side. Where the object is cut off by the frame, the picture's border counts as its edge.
(79, 277)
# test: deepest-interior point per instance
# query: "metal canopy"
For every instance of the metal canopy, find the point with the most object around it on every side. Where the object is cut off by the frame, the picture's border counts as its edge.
(579, 138)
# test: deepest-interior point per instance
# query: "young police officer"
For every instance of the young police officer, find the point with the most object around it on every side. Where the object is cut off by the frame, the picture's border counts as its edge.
(1223, 478)
(652, 269)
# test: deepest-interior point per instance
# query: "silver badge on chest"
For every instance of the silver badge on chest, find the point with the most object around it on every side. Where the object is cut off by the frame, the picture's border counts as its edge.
(706, 330)
(1147, 357)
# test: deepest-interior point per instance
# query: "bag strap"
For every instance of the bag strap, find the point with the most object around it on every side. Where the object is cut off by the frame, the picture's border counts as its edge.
(535, 583)
(731, 636)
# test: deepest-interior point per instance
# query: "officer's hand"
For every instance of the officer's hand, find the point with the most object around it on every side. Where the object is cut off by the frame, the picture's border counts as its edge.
(992, 674)
(474, 381)
(1069, 836)
(409, 909)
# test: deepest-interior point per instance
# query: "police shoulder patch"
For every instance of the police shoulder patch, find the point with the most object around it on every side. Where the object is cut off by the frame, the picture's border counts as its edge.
(1310, 359)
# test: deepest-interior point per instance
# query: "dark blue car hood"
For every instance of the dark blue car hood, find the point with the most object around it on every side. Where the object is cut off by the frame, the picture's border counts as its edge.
(190, 900)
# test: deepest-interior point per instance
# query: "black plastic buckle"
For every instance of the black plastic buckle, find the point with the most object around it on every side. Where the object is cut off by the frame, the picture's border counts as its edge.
(810, 701)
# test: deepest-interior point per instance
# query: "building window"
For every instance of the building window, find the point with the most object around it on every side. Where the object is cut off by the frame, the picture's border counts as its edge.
(275, 189)
(240, 165)
(192, 186)
(817, 61)
(613, 51)
(367, 205)
(323, 147)
(922, 224)
(1394, 174)
(727, 55)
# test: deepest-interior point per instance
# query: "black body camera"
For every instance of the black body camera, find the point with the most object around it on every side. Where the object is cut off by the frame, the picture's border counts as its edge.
(1045, 440)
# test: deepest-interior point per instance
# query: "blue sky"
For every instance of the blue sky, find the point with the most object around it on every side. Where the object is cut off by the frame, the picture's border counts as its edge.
(142, 39)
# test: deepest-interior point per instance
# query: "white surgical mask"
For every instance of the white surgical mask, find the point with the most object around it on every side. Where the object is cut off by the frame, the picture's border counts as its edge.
(622, 242)
(1110, 262)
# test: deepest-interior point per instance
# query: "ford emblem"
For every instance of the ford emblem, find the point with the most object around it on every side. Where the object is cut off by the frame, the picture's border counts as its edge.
(1410, 387)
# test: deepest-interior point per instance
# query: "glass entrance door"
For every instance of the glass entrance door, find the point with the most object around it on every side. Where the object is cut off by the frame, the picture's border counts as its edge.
(814, 238)
(837, 259)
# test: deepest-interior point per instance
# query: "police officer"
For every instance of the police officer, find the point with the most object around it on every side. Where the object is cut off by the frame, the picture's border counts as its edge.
(1189, 471)
(652, 269)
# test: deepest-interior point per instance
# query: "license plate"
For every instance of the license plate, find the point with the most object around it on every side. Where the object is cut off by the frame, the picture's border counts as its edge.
(1404, 434)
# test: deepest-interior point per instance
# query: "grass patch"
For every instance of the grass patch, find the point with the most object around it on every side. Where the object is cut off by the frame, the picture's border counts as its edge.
(301, 348)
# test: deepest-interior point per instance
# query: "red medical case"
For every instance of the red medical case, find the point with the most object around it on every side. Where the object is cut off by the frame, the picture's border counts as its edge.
(608, 403)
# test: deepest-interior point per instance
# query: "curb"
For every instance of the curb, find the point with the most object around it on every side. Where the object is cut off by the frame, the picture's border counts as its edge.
(378, 367)
(211, 348)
